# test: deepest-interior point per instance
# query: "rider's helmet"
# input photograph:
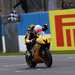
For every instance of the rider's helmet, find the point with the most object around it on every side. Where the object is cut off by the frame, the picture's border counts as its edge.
(38, 29)
(31, 27)
(45, 27)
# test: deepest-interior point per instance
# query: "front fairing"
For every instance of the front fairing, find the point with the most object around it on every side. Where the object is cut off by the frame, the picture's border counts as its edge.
(43, 39)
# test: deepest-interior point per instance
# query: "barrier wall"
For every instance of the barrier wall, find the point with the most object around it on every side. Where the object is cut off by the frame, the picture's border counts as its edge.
(39, 18)
(62, 27)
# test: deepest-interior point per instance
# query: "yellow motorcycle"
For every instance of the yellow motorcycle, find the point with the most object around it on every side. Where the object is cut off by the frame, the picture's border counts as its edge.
(40, 53)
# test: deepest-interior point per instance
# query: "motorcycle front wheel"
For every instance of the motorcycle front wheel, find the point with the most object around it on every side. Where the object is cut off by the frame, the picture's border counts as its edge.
(29, 60)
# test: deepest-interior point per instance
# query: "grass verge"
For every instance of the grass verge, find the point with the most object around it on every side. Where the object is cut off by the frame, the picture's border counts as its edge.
(64, 52)
(22, 53)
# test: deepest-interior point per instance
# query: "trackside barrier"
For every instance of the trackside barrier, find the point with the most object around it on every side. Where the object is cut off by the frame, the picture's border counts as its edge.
(62, 27)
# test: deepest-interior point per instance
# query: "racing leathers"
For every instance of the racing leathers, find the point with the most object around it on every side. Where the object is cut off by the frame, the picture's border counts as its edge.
(30, 40)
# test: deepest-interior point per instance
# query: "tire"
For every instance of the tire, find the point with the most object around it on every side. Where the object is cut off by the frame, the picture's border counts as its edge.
(29, 60)
(48, 59)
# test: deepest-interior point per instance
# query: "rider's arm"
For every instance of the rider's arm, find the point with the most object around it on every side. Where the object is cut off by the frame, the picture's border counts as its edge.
(17, 5)
(27, 40)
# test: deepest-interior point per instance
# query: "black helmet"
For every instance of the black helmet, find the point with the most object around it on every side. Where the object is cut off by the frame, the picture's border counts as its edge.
(31, 27)
(45, 27)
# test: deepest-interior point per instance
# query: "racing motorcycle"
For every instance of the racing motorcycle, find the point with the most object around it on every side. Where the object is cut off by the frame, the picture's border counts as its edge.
(40, 53)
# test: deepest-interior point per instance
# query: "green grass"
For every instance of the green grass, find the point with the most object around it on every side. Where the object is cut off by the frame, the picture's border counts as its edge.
(22, 53)
(64, 52)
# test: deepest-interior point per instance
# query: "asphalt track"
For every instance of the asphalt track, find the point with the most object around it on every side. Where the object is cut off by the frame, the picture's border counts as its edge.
(16, 65)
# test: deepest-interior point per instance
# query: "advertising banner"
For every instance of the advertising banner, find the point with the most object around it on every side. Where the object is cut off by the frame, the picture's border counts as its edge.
(62, 27)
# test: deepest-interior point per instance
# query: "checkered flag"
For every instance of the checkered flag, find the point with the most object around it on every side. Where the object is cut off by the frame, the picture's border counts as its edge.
(13, 17)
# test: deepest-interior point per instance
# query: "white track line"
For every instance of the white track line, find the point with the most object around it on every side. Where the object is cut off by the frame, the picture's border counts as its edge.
(13, 65)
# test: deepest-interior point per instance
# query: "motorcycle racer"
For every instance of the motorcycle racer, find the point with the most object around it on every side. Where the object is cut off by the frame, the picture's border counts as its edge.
(39, 51)
(33, 32)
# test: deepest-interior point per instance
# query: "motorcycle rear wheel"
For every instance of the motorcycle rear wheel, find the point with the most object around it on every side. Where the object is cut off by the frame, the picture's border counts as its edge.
(48, 59)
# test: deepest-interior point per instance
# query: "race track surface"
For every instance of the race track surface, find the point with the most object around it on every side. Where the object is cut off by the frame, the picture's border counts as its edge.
(16, 65)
